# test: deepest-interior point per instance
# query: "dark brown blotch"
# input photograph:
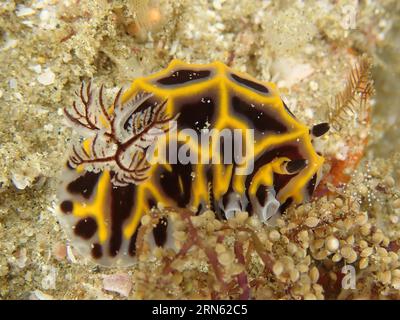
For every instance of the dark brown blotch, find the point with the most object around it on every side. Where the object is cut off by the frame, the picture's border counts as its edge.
(257, 117)
(250, 84)
(262, 194)
(84, 185)
(183, 76)
(132, 242)
(122, 203)
(197, 113)
(281, 180)
(151, 203)
(66, 206)
(97, 251)
(285, 205)
(170, 183)
(160, 232)
(86, 228)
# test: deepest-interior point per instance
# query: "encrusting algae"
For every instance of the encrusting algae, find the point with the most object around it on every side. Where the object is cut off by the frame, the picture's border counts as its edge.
(342, 244)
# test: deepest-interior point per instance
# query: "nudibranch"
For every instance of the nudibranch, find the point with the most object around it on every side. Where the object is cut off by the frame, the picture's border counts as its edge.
(110, 182)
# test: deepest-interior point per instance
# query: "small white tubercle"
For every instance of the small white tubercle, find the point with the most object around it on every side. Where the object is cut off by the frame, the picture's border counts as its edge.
(232, 206)
(268, 209)
(235, 203)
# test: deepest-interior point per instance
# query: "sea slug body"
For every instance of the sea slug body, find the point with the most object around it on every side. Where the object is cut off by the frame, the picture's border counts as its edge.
(110, 182)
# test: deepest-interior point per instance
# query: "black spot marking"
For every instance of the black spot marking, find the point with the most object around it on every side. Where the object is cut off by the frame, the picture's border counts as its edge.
(311, 185)
(84, 185)
(170, 183)
(197, 114)
(183, 76)
(160, 232)
(288, 110)
(288, 151)
(97, 251)
(86, 228)
(68, 166)
(122, 202)
(320, 129)
(257, 118)
(200, 209)
(296, 165)
(280, 180)
(251, 84)
(132, 242)
(66, 206)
